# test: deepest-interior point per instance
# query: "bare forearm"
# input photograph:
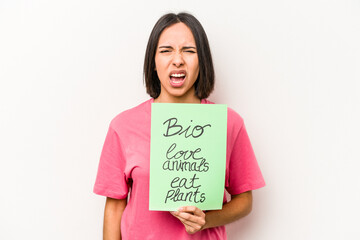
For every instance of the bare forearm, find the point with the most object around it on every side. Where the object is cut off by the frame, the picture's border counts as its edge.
(239, 206)
(112, 218)
(111, 229)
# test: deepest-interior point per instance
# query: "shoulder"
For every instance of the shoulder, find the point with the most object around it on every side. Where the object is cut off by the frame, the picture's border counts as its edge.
(132, 116)
(234, 117)
(234, 120)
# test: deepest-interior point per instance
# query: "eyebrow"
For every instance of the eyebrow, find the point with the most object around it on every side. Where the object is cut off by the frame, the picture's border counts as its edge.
(190, 47)
(186, 47)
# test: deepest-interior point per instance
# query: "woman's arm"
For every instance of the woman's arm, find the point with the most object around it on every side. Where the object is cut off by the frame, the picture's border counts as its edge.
(114, 209)
(195, 220)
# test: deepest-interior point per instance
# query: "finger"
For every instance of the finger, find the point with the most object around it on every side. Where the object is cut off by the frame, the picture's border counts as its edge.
(192, 230)
(190, 227)
(192, 214)
(190, 219)
(192, 209)
(197, 222)
(187, 218)
(187, 223)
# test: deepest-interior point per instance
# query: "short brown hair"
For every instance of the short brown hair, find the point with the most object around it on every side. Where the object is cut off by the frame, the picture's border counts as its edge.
(204, 84)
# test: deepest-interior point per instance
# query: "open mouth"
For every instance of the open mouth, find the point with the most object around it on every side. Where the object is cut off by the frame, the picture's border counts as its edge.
(177, 79)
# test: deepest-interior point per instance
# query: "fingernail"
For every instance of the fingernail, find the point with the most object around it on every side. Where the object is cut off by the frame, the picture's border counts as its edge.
(180, 209)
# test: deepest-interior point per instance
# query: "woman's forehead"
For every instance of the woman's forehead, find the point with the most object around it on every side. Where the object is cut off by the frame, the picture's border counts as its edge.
(176, 34)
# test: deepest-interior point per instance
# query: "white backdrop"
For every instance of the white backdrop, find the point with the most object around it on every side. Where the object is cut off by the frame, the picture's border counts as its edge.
(290, 68)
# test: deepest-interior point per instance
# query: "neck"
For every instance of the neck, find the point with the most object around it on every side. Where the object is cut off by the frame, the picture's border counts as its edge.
(187, 98)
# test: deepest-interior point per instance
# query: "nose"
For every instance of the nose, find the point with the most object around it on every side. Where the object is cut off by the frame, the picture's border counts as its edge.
(178, 60)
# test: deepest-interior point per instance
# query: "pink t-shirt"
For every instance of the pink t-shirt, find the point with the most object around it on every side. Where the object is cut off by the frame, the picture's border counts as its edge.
(124, 169)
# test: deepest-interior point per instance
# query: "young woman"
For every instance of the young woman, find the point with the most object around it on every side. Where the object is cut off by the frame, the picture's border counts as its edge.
(178, 68)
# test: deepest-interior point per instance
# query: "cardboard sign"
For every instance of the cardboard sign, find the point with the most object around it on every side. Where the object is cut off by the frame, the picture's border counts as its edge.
(187, 156)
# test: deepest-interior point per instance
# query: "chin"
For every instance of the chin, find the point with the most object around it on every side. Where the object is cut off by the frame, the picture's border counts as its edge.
(179, 93)
(176, 92)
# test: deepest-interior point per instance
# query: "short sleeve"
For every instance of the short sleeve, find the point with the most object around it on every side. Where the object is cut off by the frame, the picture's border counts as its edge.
(110, 179)
(244, 171)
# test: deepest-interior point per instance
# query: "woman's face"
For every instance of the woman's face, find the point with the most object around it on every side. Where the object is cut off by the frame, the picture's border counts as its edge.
(177, 64)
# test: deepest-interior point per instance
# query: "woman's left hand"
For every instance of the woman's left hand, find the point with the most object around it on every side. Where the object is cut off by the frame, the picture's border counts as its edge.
(192, 218)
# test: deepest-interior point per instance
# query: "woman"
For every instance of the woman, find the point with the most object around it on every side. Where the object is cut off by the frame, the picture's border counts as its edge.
(178, 69)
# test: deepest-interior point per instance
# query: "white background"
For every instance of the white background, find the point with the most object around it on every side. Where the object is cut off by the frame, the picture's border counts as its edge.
(291, 69)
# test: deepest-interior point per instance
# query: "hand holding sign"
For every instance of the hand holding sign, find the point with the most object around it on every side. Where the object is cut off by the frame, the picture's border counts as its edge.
(188, 155)
(192, 218)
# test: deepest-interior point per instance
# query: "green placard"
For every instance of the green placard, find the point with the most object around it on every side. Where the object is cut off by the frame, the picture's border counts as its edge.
(187, 156)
